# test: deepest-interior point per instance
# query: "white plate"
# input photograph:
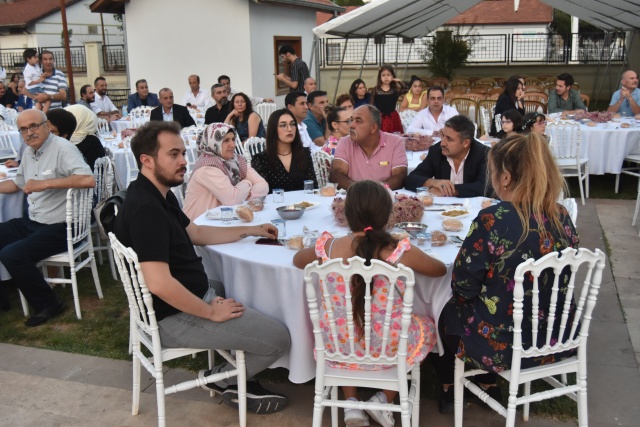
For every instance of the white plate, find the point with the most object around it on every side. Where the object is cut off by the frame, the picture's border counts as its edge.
(433, 208)
(456, 217)
(313, 204)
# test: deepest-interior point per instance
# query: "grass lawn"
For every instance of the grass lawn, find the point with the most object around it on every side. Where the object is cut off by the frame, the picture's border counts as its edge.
(104, 328)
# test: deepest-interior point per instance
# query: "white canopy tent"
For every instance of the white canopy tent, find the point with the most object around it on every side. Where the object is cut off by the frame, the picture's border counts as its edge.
(416, 18)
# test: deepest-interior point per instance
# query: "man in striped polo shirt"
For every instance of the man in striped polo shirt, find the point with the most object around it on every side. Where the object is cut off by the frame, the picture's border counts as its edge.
(55, 86)
(298, 71)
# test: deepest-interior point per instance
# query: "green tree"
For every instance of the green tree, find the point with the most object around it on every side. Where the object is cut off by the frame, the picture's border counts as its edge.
(447, 51)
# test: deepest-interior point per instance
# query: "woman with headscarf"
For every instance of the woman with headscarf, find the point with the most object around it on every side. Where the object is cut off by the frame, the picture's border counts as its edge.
(220, 176)
(84, 137)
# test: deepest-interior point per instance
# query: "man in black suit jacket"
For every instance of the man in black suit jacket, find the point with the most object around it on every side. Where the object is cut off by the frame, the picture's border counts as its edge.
(457, 166)
(168, 111)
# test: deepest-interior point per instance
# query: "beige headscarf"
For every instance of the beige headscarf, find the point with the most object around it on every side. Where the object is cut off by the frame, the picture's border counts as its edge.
(87, 122)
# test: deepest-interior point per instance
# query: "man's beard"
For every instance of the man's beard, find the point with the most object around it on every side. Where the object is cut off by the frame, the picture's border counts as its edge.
(169, 181)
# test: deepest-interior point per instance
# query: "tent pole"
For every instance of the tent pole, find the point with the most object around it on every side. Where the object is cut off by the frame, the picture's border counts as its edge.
(406, 64)
(364, 55)
(313, 54)
(344, 53)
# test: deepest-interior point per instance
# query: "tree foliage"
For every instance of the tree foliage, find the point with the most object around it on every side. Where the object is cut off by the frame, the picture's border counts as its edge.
(447, 51)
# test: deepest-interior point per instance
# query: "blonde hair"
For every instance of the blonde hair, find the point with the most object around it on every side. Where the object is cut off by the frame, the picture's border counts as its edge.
(536, 182)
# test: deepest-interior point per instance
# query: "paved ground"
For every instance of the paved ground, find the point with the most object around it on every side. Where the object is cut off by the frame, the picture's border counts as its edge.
(48, 388)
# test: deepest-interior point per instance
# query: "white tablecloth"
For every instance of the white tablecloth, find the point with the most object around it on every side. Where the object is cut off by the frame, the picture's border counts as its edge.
(606, 146)
(120, 125)
(10, 207)
(18, 142)
(263, 277)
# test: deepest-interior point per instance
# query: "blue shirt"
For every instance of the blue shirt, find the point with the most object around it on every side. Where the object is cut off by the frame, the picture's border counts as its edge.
(167, 117)
(625, 107)
(315, 128)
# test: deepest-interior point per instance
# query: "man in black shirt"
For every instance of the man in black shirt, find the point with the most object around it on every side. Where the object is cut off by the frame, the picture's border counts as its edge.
(188, 311)
(217, 113)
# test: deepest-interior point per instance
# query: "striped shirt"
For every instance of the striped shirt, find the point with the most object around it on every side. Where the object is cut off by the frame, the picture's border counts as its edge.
(54, 84)
(299, 73)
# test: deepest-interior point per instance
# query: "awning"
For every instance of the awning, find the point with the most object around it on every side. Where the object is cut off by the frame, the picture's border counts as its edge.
(417, 18)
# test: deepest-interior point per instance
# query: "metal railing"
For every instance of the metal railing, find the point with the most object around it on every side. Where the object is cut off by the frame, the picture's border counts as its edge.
(114, 58)
(495, 49)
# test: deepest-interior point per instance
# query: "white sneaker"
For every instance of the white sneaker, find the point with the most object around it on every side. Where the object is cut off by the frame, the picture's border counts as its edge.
(384, 418)
(355, 417)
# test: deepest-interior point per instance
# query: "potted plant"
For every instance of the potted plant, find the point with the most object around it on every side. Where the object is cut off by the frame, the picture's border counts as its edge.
(446, 51)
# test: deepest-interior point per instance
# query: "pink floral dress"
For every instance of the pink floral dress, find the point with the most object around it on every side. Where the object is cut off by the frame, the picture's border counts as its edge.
(422, 331)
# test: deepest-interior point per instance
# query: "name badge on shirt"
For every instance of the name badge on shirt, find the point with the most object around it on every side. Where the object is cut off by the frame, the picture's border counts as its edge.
(384, 163)
(47, 172)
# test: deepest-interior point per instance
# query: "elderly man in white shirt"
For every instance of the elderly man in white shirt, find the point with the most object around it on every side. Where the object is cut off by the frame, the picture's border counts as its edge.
(102, 105)
(196, 97)
(431, 120)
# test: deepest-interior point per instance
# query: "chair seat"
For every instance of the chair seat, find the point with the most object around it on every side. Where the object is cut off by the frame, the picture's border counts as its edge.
(64, 256)
(567, 163)
(530, 374)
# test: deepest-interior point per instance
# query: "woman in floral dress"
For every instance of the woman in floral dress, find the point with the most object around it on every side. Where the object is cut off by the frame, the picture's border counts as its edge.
(367, 208)
(477, 323)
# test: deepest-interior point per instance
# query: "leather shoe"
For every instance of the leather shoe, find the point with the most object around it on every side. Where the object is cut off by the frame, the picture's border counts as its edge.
(43, 316)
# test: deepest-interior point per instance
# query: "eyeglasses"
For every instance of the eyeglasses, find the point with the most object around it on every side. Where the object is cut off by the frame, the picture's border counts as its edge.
(287, 125)
(344, 121)
(33, 128)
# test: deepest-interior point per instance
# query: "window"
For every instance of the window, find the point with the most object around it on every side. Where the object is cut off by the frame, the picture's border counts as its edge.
(92, 29)
(279, 65)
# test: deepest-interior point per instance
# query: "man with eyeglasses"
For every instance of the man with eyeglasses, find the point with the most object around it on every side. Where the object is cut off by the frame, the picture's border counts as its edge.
(50, 166)
(369, 153)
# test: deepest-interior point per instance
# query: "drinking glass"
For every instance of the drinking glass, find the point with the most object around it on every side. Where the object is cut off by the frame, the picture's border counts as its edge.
(226, 213)
(409, 155)
(308, 186)
(278, 195)
(424, 241)
(281, 225)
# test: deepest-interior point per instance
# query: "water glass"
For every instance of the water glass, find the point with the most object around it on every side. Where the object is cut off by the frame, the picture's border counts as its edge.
(281, 225)
(278, 195)
(226, 213)
(308, 186)
(409, 156)
(424, 241)
(422, 190)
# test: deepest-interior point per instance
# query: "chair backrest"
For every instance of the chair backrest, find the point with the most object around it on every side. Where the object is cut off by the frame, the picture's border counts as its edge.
(253, 146)
(485, 120)
(406, 117)
(7, 150)
(572, 207)
(475, 96)
(459, 82)
(535, 107)
(321, 166)
(334, 276)
(485, 81)
(481, 88)
(239, 146)
(132, 165)
(264, 110)
(565, 140)
(105, 179)
(585, 99)
(536, 96)
(189, 135)
(567, 327)
(79, 204)
(140, 300)
(549, 88)
(497, 119)
(531, 81)
(103, 127)
(467, 107)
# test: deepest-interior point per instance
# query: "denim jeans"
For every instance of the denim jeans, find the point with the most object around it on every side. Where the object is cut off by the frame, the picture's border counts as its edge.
(263, 339)
(23, 243)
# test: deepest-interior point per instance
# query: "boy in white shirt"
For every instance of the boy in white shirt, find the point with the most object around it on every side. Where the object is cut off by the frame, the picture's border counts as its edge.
(33, 77)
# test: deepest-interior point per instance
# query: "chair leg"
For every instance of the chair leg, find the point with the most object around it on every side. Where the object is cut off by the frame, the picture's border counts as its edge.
(94, 272)
(96, 239)
(74, 289)
(242, 387)
(135, 398)
(112, 264)
(617, 182)
(525, 408)
(458, 392)
(581, 187)
(334, 409)
(318, 409)
(25, 304)
(635, 213)
(586, 178)
(160, 391)
(415, 416)
(583, 409)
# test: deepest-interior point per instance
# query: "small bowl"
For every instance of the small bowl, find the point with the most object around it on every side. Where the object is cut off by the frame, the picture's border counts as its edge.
(290, 212)
(413, 228)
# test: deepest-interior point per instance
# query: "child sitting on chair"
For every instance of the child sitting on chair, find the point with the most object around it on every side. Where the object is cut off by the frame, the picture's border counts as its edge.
(367, 209)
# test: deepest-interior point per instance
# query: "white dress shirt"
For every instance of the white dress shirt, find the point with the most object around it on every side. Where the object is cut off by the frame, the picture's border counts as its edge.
(306, 139)
(200, 100)
(425, 124)
(103, 103)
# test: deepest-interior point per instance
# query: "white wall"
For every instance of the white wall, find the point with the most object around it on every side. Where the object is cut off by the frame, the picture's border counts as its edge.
(79, 17)
(268, 21)
(18, 41)
(168, 41)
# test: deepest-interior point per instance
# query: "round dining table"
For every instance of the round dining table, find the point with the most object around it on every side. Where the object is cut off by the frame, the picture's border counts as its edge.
(264, 278)
(607, 144)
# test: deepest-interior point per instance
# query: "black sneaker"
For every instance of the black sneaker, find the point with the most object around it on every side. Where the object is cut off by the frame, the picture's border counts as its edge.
(445, 404)
(259, 399)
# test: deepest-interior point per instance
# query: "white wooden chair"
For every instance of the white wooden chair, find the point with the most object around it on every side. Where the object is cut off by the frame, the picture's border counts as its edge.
(572, 207)
(140, 115)
(633, 170)
(578, 332)
(7, 150)
(132, 165)
(328, 378)
(144, 330)
(78, 243)
(103, 127)
(264, 110)
(321, 166)
(497, 119)
(103, 172)
(406, 117)
(239, 146)
(253, 146)
(565, 147)
(485, 121)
